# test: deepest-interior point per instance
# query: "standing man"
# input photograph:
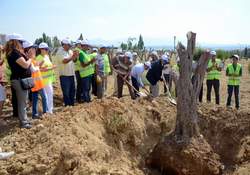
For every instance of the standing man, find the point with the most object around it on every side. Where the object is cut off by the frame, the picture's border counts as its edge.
(213, 77)
(234, 72)
(100, 72)
(154, 75)
(65, 58)
(122, 66)
(87, 71)
(77, 73)
(136, 75)
(107, 68)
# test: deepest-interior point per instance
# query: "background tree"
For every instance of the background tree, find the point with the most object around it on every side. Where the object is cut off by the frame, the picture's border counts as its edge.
(56, 42)
(80, 37)
(45, 39)
(140, 43)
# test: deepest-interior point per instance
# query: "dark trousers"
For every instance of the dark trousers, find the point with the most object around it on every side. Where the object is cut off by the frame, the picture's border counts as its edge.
(86, 86)
(236, 90)
(14, 102)
(68, 89)
(94, 85)
(216, 85)
(78, 87)
(136, 86)
(120, 83)
(201, 91)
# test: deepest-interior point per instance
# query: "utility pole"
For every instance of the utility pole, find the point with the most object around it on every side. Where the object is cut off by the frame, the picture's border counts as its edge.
(174, 42)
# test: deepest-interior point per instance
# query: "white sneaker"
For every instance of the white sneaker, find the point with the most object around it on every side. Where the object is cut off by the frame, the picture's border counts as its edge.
(6, 155)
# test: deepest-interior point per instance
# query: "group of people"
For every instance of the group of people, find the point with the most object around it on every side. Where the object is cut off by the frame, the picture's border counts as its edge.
(84, 70)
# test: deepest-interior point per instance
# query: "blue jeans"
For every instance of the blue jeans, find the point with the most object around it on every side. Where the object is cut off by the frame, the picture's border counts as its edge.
(35, 102)
(86, 85)
(68, 89)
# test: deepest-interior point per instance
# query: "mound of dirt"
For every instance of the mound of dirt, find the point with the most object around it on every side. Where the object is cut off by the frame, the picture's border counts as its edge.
(108, 136)
(114, 136)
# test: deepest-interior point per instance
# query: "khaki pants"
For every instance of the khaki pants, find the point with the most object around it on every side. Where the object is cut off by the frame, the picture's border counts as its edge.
(154, 89)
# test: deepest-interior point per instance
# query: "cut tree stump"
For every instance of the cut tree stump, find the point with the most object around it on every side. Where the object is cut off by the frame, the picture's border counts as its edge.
(185, 151)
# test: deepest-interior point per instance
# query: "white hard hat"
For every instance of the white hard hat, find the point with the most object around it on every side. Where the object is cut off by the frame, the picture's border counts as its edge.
(148, 64)
(15, 36)
(66, 41)
(27, 44)
(95, 49)
(154, 53)
(102, 46)
(129, 55)
(43, 46)
(78, 41)
(135, 54)
(236, 56)
(167, 53)
(84, 42)
(165, 57)
(213, 53)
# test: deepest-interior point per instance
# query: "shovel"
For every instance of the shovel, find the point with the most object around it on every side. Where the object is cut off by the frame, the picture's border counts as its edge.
(140, 93)
(170, 98)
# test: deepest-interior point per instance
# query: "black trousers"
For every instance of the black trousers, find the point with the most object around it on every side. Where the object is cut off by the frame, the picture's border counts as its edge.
(94, 85)
(216, 85)
(201, 91)
(136, 86)
(236, 90)
(14, 102)
(120, 83)
(78, 87)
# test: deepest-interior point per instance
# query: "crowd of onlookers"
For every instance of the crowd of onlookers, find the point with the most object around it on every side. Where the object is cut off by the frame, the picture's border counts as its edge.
(83, 70)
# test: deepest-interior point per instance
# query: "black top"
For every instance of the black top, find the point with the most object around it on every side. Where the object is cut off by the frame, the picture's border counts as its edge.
(17, 71)
(155, 72)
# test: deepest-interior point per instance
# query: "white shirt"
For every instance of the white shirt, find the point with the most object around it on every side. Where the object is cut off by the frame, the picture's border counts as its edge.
(137, 71)
(64, 69)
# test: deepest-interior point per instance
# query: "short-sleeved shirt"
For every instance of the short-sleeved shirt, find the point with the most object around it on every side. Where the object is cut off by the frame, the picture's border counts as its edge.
(17, 72)
(68, 68)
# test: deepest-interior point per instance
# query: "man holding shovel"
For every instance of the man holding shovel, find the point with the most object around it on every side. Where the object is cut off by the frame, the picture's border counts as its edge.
(122, 66)
(154, 75)
(136, 76)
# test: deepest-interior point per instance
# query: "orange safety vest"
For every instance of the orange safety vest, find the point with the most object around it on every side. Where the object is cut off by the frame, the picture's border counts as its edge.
(38, 80)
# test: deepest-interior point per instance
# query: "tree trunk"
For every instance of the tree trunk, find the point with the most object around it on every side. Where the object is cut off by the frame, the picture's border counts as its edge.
(185, 151)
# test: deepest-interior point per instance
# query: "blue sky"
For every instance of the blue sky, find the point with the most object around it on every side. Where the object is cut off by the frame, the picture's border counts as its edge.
(214, 21)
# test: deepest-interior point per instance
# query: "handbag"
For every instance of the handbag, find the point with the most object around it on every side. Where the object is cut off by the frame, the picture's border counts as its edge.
(27, 83)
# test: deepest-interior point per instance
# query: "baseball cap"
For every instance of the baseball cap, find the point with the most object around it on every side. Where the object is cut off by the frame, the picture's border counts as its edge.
(28, 44)
(43, 46)
(85, 42)
(66, 41)
(148, 64)
(78, 41)
(213, 53)
(15, 36)
(128, 54)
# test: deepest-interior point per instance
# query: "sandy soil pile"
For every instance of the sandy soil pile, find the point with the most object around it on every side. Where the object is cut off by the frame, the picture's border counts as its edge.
(105, 137)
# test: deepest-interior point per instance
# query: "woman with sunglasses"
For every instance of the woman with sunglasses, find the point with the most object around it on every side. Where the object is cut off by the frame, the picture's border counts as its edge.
(47, 70)
(20, 68)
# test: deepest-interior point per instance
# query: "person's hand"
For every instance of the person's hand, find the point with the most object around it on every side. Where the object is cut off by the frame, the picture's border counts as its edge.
(31, 53)
(93, 60)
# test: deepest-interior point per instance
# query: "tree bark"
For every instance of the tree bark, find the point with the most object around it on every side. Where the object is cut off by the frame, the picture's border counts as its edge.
(185, 151)
(186, 121)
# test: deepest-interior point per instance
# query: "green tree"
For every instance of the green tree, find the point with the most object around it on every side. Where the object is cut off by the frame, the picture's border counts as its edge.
(245, 52)
(130, 43)
(45, 39)
(56, 42)
(80, 37)
(124, 46)
(140, 43)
